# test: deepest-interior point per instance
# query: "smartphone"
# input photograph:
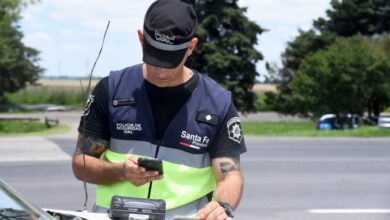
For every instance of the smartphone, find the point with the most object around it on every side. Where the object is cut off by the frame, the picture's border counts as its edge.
(151, 164)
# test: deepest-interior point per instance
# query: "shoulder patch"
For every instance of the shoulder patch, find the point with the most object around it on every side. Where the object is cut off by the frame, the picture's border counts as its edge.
(234, 129)
(87, 108)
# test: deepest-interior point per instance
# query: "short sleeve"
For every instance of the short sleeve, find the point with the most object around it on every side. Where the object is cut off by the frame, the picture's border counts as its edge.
(94, 121)
(229, 141)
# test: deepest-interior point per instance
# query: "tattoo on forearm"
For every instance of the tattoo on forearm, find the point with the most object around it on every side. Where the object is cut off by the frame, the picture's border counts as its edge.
(91, 146)
(230, 166)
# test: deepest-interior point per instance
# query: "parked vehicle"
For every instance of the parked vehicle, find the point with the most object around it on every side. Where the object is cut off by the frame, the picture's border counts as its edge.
(345, 121)
(384, 121)
(327, 122)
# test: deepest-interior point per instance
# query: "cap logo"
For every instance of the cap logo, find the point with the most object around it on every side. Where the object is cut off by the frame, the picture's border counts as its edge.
(163, 37)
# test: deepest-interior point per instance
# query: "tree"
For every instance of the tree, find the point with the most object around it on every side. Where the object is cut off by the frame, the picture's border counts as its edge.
(348, 77)
(18, 66)
(307, 42)
(346, 18)
(351, 17)
(226, 51)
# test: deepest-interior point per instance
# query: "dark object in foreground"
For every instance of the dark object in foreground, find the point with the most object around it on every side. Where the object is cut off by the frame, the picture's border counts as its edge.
(124, 208)
(151, 164)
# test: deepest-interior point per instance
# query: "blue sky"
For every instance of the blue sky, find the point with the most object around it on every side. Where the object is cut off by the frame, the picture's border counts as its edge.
(69, 32)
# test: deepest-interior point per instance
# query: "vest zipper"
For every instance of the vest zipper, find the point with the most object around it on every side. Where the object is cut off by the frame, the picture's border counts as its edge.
(158, 143)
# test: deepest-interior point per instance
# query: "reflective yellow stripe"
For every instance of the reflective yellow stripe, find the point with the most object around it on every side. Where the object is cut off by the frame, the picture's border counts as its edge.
(181, 184)
(104, 193)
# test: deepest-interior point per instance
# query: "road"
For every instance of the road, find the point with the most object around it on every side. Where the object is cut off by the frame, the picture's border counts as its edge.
(286, 178)
(291, 178)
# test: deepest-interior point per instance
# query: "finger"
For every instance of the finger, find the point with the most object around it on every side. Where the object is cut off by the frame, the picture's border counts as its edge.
(223, 216)
(217, 213)
(151, 178)
(133, 159)
(132, 170)
(146, 174)
(206, 210)
(142, 181)
(130, 164)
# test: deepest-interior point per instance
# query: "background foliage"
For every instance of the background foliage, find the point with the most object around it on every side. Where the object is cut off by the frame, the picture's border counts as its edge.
(226, 50)
(18, 66)
(368, 19)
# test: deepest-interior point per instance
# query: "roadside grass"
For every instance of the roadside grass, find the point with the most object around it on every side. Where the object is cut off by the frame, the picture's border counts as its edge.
(18, 127)
(47, 94)
(307, 129)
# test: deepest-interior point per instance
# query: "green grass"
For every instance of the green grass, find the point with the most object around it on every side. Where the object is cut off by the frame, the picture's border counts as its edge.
(307, 129)
(29, 128)
(46, 94)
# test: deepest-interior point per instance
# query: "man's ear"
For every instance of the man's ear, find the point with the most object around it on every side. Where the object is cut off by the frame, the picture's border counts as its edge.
(140, 37)
(192, 46)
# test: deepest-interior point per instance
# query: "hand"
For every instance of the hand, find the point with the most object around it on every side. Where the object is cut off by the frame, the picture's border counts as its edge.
(212, 211)
(137, 175)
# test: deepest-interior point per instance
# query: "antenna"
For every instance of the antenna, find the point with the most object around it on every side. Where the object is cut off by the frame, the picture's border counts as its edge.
(86, 94)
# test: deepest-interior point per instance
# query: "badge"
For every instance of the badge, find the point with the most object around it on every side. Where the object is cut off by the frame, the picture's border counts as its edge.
(123, 102)
(87, 108)
(234, 129)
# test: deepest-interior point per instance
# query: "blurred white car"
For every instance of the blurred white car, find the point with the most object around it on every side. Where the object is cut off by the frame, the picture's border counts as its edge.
(384, 121)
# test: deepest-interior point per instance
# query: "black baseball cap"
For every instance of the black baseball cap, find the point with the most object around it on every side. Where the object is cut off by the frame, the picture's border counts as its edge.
(169, 27)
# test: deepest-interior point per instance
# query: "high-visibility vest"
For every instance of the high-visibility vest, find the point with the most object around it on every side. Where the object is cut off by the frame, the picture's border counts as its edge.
(184, 148)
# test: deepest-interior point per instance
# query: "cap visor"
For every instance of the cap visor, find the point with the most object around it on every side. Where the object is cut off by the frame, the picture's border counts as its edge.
(161, 58)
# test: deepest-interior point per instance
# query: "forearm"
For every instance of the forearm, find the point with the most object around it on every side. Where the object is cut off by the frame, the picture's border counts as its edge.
(229, 180)
(229, 189)
(87, 165)
(95, 170)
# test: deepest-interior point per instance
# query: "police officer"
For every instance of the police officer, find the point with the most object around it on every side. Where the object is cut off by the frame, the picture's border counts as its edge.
(163, 109)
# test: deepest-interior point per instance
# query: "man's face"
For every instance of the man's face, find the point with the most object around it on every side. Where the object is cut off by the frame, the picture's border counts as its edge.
(164, 77)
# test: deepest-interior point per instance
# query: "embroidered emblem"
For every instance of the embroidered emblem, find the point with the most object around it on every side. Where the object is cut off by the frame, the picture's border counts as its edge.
(163, 37)
(234, 129)
(87, 108)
